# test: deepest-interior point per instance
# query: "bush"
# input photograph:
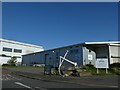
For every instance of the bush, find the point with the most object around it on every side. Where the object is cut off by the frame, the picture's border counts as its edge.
(54, 71)
(115, 65)
(115, 68)
(12, 61)
(88, 68)
(4, 65)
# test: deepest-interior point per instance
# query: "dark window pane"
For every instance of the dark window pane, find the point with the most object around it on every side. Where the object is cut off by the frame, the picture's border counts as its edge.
(17, 50)
(7, 49)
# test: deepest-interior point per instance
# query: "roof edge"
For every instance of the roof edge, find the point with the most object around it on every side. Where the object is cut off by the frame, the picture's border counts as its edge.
(20, 43)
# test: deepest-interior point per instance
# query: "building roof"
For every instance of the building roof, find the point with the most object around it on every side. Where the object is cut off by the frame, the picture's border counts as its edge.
(108, 42)
(20, 43)
(85, 43)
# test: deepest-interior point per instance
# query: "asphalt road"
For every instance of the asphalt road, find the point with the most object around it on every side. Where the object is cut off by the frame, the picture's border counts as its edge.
(10, 80)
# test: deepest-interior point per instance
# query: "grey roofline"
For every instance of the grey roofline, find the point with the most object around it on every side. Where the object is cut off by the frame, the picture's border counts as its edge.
(84, 43)
(20, 43)
(108, 42)
(54, 49)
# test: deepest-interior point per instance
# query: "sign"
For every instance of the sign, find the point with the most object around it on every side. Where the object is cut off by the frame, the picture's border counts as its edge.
(90, 57)
(102, 63)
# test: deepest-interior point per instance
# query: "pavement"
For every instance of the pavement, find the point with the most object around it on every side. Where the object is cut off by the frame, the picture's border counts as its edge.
(34, 79)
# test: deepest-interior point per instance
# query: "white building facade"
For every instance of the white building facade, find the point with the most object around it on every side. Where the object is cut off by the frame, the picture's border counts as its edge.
(10, 49)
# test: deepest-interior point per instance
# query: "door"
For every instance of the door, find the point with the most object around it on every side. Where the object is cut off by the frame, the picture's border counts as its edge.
(47, 69)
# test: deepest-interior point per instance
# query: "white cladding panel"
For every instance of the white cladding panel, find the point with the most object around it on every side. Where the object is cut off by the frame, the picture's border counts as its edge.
(114, 54)
(3, 60)
(114, 51)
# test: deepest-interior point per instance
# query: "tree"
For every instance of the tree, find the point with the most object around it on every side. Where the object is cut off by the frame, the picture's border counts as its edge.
(12, 61)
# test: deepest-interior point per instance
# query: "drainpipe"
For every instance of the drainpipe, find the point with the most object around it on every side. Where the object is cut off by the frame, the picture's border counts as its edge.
(109, 54)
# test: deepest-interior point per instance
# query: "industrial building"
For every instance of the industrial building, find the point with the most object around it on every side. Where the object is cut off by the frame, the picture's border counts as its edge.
(10, 49)
(83, 53)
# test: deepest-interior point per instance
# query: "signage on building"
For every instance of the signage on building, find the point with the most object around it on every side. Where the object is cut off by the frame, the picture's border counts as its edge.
(102, 63)
(90, 57)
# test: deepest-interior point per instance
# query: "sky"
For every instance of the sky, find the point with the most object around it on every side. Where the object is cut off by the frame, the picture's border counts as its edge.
(53, 25)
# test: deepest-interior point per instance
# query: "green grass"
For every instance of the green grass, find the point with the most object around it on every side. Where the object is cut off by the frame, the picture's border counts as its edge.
(22, 67)
(115, 70)
(102, 72)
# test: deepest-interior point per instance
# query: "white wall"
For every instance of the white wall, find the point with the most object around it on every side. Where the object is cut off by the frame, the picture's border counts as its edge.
(114, 54)
(86, 59)
(26, 49)
(3, 60)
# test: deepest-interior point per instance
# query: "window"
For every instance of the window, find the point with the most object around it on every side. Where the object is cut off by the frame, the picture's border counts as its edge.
(7, 49)
(17, 50)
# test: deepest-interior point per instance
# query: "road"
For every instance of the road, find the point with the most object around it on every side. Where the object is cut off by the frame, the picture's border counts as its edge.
(10, 80)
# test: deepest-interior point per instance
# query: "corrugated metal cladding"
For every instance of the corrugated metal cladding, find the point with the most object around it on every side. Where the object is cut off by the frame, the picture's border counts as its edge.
(81, 53)
(52, 57)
